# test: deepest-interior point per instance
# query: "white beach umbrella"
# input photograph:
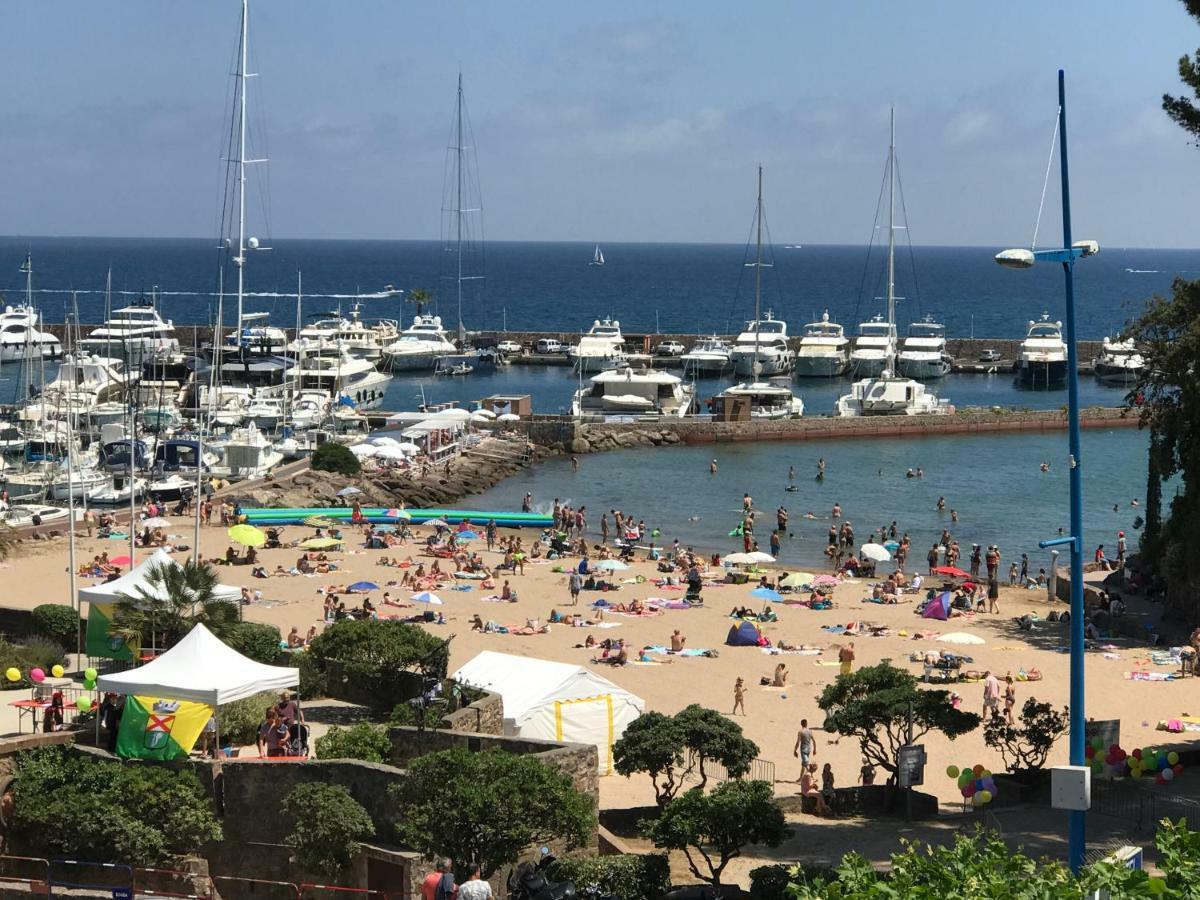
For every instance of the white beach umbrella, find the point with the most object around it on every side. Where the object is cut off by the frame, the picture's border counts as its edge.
(156, 522)
(408, 447)
(427, 597)
(610, 565)
(758, 556)
(389, 452)
(508, 417)
(875, 552)
(961, 637)
(384, 441)
(485, 413)
(480, 420)
(364, 450)
(737, 559)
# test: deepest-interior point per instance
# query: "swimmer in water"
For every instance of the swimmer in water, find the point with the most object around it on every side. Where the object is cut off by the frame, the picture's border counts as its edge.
(1045, 467)
(712, 467)
(910, 474)
(791, 473)
(941, 504)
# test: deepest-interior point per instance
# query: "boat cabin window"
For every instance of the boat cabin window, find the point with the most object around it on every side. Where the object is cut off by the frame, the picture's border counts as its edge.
(1044, 331)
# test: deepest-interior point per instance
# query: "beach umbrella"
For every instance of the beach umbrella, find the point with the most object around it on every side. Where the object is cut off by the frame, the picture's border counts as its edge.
(409, 447)
(320, 522)
(763, 593)
(823, 580)
(397, 513)
(120, 561)
(468, 536)
(758, 556)
(427, 597)
(610, 565)
(480, 420)
(351, 490)
(961, 637)
(952, 572)
(796, 579)
(383, 529)
(874, 552)
(389, 452)
(483, 413)
(437, 523)
(321, 543)
(156, 522)
(363, 586)
(736, 559)
(247, 536)
(363, 450)
(508, 417)
(384, 441)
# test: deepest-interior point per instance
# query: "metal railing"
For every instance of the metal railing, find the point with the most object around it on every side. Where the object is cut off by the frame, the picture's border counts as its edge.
(760, 770)
(1143, 808)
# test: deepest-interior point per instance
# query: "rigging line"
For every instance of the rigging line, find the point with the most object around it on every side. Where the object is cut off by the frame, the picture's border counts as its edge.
(1046, 181)
(769, 246)
(871, 241)
(912, 259)
(737, 290)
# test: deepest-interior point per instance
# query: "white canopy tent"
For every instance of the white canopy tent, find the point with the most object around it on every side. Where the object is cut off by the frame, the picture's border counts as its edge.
(203, 669)
(136, 582)
(555, 701)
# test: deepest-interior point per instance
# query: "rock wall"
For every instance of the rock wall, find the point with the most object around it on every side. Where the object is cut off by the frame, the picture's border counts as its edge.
(483, 716)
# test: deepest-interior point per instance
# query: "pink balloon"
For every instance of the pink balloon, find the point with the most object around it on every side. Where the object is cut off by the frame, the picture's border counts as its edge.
(37, 675)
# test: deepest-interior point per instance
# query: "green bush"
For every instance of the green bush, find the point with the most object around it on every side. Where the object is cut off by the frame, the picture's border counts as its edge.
(364, 741)
(57, 623)
(330, 825)
(313, 682)
(32, 653)
(240, 719)
(334, 457)
(770, 882)
(256, 640)
(631, 877)
(376, 661)
(84, 808)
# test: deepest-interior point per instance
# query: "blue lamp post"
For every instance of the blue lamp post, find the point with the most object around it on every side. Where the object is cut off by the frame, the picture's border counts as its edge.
(1023, 259)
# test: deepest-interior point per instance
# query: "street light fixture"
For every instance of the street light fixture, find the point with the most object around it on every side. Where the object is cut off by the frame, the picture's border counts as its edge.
(1024, 259)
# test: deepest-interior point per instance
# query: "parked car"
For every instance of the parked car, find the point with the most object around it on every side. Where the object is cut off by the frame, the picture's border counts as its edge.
(550, 345)
(989, 355)
(509, 347)
(669, 348)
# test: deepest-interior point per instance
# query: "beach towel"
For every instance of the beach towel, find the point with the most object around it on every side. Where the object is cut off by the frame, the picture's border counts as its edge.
(834, 629)
(664, 603)
(826, 662)
(1149, 676)
(462, 587)
(690, 651)
(775, 651)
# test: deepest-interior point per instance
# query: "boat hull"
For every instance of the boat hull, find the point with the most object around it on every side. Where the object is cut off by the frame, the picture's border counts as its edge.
(923, 369)
(1118, 376)
(820, 366)
(743, 364)
(868, 367)
(1036, 374)
(18, 352)
(414, 362)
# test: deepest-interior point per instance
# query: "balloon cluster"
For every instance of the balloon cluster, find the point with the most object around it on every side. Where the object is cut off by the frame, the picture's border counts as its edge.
(37, 675)
(975, 783)
(1114, 762)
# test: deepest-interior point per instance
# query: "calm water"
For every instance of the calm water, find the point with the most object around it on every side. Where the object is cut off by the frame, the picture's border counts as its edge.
(549, 286)
(993, 482)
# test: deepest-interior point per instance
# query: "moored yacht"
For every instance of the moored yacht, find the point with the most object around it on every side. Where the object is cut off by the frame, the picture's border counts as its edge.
(330, 367)
(359, 338)
(85, 381)
(709, 355)
(246, 454)
(601, 348)
(874, 346)
(823, 350)
(22, 337)
(133, 331)
(1119, 363)
(762, 349)
(1043, 358)
(257, 335)
(623, 392)
(419, 345)
(759, 400)
(924, 355)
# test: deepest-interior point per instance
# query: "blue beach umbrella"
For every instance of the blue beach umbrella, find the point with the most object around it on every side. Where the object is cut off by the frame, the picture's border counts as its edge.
(363, 586)
(763, 593)
(427, 597)
(467, 536)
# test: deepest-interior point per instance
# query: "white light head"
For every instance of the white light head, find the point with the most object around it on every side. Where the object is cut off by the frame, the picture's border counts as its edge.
(252, 243)
(1015, 259)
(1089, 248)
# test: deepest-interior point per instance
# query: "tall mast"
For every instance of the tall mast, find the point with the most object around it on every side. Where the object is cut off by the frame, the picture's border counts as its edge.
(458, 191)
(891, 270)
(28, 267)
(240, 259)
(754, 364)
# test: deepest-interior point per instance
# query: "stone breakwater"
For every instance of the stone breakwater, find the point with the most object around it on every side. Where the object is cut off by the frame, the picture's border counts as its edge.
(591, 438)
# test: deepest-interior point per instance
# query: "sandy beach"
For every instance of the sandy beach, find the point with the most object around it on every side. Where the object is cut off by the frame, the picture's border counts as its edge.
(772, 715)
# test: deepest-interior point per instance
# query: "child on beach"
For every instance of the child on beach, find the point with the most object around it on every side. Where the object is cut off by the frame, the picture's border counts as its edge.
(739, 696)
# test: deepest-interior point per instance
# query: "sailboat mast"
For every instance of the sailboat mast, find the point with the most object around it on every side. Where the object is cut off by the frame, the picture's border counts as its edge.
(891, 272)
(458, 192)
(240, 259)
(754, 365)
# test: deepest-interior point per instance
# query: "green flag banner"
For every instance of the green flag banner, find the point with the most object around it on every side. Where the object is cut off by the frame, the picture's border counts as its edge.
(156, 728)
(100, 640)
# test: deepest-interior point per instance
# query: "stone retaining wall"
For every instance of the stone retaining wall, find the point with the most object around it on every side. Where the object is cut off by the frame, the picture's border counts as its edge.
(484, 716)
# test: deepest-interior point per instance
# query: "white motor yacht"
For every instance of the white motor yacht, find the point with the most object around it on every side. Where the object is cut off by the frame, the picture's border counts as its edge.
(309, 409)
(1043, 359)
(85, 381)
(81, 483)
(824, 350)
(874, 346)
(762, 349)
(360, 339)
(1119, 363)
(33, 514)
(330, 367)
(266, 413)
(22, 337)
(709, 355)
(625, 392)
(246, 454)
(120, 490)
(761, 399)
(133, 331)
(258, 336)
(924, 355)
(418, 346)
(601, 348)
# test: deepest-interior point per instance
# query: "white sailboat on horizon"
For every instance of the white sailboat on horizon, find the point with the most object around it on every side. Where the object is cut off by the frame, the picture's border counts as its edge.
(597, 257)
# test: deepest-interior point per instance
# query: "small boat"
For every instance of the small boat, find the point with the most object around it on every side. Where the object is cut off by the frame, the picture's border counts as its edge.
(710, 355)
(33, 514)
(763, 400)
(597, 257)
(1119, 363)
(172, 488)
(119, 490)
(461, 368)
(1043, 359)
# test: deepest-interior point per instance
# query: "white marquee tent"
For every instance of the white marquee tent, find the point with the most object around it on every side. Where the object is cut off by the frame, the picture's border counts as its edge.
(138, 577)
(555, 701)
(203, 669)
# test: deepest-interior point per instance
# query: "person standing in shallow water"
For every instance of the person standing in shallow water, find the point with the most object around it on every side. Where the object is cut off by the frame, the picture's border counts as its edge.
(712, 467)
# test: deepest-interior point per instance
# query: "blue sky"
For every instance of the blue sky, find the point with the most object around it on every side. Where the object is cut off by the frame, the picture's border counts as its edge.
(606, 122)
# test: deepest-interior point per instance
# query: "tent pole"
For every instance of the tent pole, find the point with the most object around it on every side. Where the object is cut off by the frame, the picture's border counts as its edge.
(217, 720)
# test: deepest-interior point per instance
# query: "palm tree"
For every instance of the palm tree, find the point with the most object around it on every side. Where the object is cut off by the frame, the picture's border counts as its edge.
(174, 599)
(420, 297)
(8, 540)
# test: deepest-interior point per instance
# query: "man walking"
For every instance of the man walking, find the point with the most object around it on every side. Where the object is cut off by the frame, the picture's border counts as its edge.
(846, 658)
(575, 585)
(806, 744)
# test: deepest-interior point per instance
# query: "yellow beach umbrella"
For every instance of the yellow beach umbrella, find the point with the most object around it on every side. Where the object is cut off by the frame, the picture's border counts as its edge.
(797, 579)
(323, 543)
(247, 536)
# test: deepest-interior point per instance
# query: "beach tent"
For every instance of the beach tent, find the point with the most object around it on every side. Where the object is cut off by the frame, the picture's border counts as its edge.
(938, 607)
(202, 669)
(103, 598)
(745, 634)
(555, 701)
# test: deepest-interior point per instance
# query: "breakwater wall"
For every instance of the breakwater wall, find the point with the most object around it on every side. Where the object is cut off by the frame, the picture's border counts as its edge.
(589, 438)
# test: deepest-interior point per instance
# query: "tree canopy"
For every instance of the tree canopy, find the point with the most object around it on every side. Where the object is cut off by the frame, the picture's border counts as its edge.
(176, 598)
(380, 657)
(873, 704)
(711, 829)
(330, 825)
(674, 749)
(1027, 744)
(485, 808)
(1182, 110)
